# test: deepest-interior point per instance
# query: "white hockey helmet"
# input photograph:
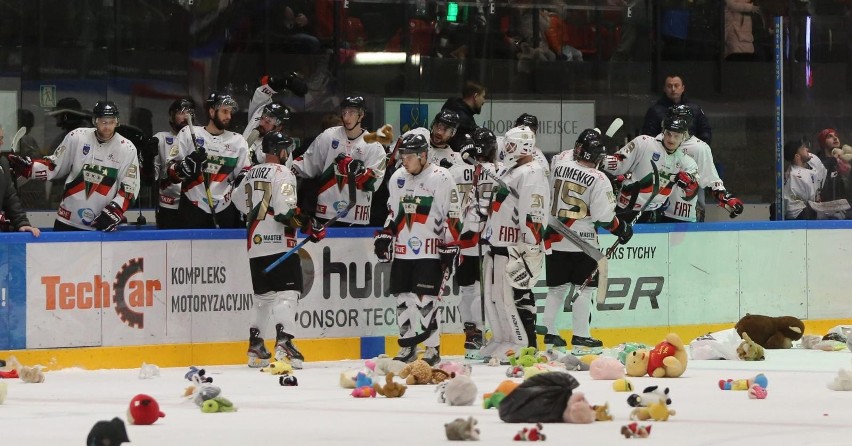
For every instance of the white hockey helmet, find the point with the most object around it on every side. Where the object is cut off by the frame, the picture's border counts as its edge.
(518, 142)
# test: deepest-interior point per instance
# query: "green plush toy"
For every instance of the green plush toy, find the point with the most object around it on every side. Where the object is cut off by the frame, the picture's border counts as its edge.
(218, 404)
(526, 358)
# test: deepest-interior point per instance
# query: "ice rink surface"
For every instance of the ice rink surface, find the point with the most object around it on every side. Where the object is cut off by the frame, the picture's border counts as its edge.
(799, 409)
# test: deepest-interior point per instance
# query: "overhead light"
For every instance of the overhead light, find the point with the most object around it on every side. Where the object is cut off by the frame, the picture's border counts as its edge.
(381, 58)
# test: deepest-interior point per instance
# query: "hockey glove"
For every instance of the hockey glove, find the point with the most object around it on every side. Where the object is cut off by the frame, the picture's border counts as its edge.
(624, 231)
(449, 258)
(445, 163)
(732, 204)
(383, 245)
(346, 164)
(5, 223)
(22, 166)
(289, 81)
(687, 182)
(192, 165)
(524, 265)
(109, 218)
(314, 230)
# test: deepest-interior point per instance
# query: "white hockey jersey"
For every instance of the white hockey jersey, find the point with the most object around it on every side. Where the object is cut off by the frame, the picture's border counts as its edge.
(802, 184)
(267, 196)
(523, 219)
(424, 212)
(167, 150)
(680, 207)
(227, 156)
(262, 96)
(636, 158)
(436, 154)
(319, 161)
(473, 210)
(582, 199)
(95, 174)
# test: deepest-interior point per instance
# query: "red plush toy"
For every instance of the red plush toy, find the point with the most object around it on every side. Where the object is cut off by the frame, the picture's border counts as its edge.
(143, 410)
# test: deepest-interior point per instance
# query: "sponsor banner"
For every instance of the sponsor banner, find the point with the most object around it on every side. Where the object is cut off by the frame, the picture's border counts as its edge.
(346, 293)
(13, 299)
(66, 295)
(559, 123)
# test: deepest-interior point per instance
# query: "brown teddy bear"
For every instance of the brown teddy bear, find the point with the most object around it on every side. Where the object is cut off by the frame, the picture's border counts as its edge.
(771, 332)
(417, 372)
(391, 389)
(666, 360)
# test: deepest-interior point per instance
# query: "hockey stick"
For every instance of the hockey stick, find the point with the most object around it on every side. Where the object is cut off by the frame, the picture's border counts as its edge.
(602, 279)
(479, 245)
(614, 127)
(15, 140)
(205, 175)
(340, 214)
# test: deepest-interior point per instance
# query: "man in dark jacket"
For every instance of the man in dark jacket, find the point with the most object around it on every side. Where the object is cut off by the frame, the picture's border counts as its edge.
(12, 216)
(473, 97)
(673, 89)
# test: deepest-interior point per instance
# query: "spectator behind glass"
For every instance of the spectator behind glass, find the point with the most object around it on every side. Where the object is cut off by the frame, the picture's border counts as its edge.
(634, 44)
(837, 168)
(673, 94)
(295, 34)
(12, 215)
(739, 38)
(69, 115)
(469, 104)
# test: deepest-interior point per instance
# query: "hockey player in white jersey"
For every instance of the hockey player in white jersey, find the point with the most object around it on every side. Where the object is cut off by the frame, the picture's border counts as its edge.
(583, 201)
(530, 121)
(168, 216)
(679, 208)
(474, 184)
(273, 116)
(101, 172)
(514, 228)
(257, 112)
(207, 165)
(333, 154)
(444, 127)
(638, 157)
(267, 197)
(420, 237)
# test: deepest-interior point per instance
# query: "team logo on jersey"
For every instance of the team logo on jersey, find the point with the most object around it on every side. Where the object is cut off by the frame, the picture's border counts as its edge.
(257, 239)
(199, 141)
(415, 244)
(339, 206)
(415, 209)
(400, 182)
(335, 144)
(655, 157)
(86, 149)
(87, 216)
(170, 140)
(173, 152)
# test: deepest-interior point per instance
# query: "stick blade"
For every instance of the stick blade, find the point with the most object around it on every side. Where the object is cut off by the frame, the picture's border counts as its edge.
(614, 127)
(17, 139)
(603, 278)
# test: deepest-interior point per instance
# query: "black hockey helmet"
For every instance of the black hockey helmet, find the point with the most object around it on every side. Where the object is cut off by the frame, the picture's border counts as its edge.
(484, 143)
(354, 102)
(682, 111)
(274, 142)
(675, 124)
(448, 118)
(415, 143)
(276, 111)
(590, 150)
(105, 109)
(218, 100)
(528, 120)
(181, 104)
(588, 134)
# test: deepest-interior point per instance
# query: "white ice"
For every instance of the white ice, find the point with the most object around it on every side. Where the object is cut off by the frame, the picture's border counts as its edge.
(799, 410)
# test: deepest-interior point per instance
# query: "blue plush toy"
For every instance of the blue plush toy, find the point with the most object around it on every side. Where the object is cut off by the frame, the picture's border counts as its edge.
(361, 380)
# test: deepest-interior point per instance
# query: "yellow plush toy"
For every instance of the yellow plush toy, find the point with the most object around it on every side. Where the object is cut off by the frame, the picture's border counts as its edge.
(666, 360)
(656, 411)
(278, 368)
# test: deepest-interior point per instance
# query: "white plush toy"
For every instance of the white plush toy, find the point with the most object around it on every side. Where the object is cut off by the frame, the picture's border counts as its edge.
(460, 390)
(843, 381)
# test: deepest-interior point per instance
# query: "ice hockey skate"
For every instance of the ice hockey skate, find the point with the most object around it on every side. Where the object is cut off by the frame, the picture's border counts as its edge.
(472, 341)
(555, 342)
(406, 355)
(586, 346)
(258, 355)
(285, 350)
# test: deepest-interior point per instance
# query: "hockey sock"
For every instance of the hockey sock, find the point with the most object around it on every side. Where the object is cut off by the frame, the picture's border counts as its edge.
(262, 309)
(406, 311)
(553, 306)
(581, 312)
(427, 309)
(282, 309)
(469, 306)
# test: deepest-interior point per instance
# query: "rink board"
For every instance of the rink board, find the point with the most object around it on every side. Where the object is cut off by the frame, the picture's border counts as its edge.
(178, 297)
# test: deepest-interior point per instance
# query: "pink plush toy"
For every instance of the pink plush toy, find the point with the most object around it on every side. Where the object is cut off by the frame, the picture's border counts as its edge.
(756, 392)
(364, 392)
(578, 410)
(606, 368)
(455, 367)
